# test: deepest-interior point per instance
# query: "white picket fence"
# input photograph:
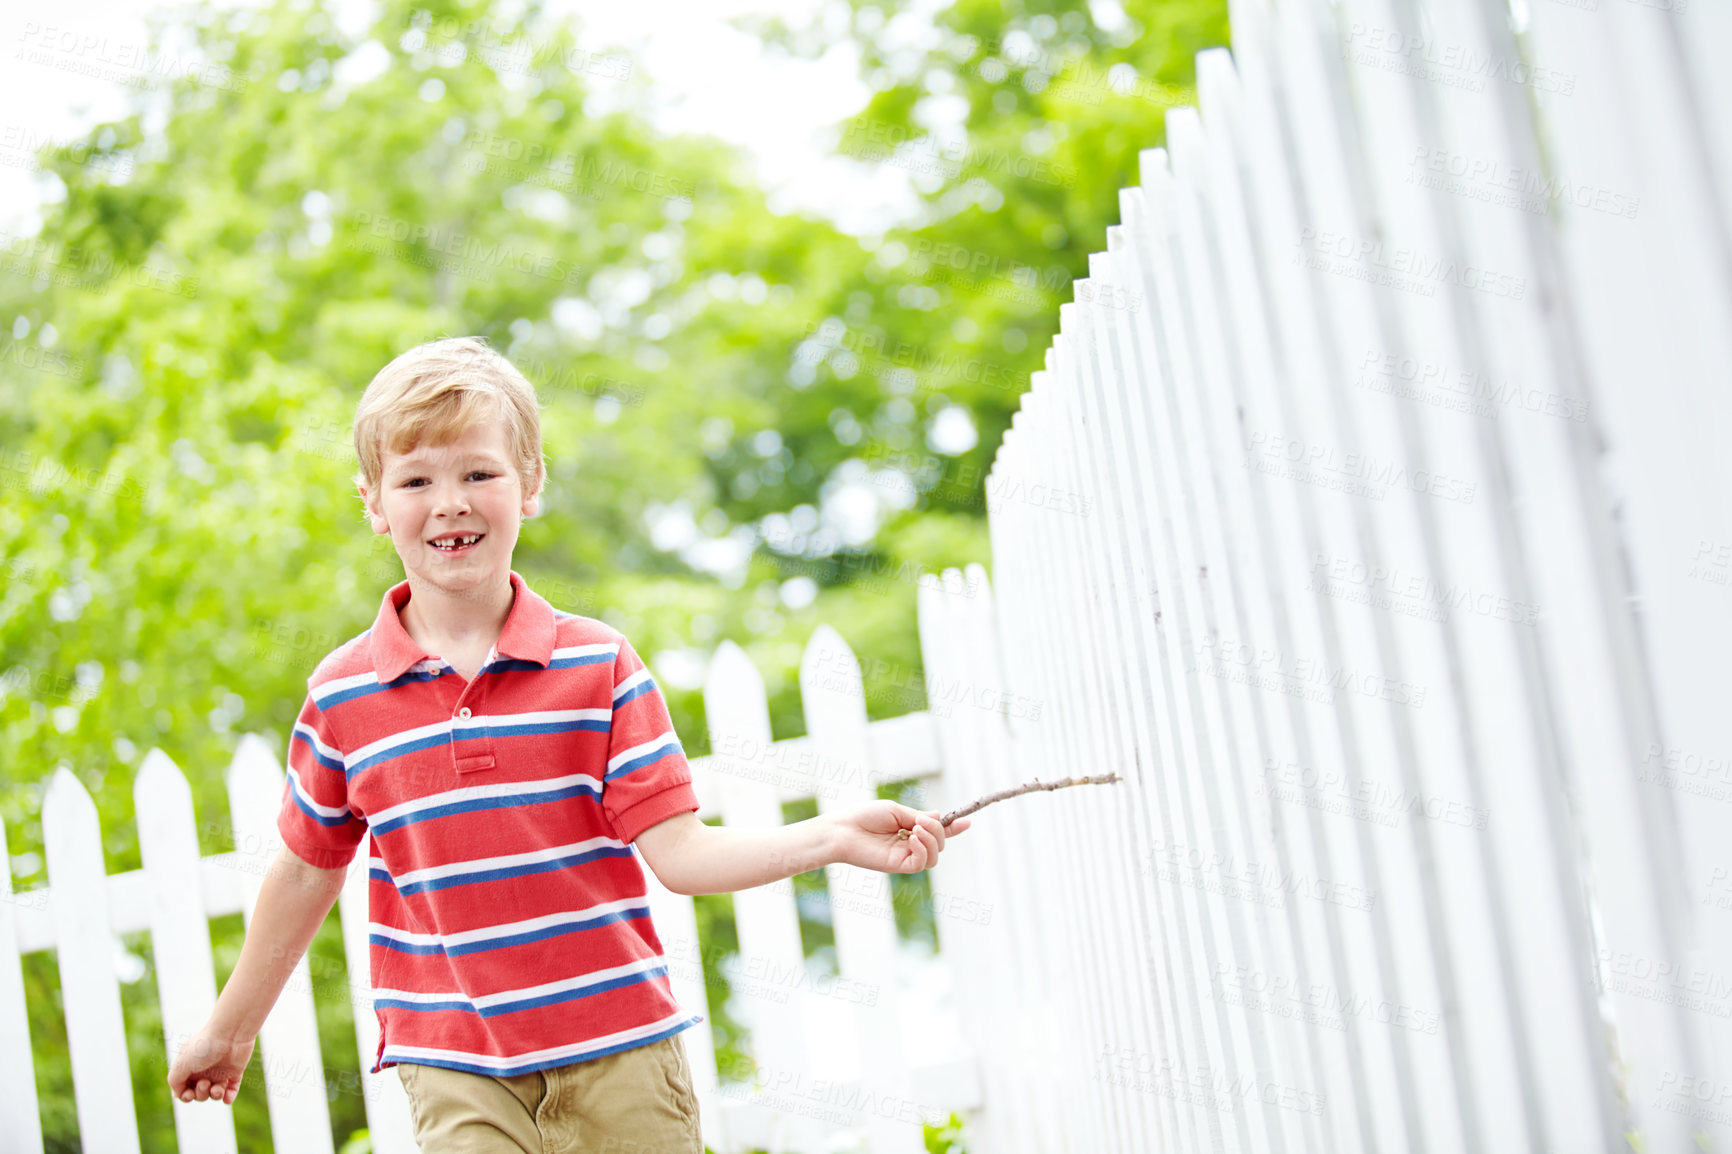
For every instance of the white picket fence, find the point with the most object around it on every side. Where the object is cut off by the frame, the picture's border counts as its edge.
(838, 1058)
(1377, 524)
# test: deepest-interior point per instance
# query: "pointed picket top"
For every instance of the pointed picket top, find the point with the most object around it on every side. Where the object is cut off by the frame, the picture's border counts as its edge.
(976, 625)
(66, 795)
(976, 578)
(85, 948)
(831, 686)
(733, 675)
(928, 613)
(738, 710)
(972, 575)
(150, 768)
(935, 622)
(1100, 270)
(954, 585)
(957, 682)
(1185, 138)
(255, 789)
(253, 755)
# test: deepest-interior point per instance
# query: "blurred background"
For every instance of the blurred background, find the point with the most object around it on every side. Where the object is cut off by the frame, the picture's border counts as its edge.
(779, 273)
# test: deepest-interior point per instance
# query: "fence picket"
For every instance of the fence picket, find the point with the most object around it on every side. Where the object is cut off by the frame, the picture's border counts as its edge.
(738, 715)
(985, 948)
(1020, 904)
(86, 950)
(289, 1041)
(179, 935)
(676, 924)
(1642, 347)
(833, 697)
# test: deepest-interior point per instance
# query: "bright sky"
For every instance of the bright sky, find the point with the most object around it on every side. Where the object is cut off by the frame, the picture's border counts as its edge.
(707, 77)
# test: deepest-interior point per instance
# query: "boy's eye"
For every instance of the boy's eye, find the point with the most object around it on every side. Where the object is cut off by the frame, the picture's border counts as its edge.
(484, 475)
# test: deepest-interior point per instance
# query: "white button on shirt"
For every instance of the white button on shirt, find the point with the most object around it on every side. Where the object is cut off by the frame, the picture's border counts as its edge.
(464, 712)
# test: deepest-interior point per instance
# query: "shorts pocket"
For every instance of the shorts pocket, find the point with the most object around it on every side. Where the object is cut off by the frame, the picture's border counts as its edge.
(406, 1075)
(679, 1073)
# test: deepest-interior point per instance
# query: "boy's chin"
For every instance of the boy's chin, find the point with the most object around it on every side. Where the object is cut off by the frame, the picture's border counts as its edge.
(455, 578)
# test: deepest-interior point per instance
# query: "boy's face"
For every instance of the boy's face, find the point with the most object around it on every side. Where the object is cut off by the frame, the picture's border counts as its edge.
(465, 489)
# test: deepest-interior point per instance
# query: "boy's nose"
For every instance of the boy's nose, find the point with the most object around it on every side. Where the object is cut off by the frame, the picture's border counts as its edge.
(449, 494)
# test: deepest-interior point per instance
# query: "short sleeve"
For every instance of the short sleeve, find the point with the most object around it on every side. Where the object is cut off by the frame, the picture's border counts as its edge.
(648, 779)
(315, 821)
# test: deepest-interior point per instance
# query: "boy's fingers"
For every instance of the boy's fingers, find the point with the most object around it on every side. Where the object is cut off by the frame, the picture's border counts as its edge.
(929, 848)
(937, 827)
(924, 822)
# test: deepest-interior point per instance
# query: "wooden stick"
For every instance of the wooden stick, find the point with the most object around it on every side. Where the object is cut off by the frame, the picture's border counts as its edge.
(1029, 787)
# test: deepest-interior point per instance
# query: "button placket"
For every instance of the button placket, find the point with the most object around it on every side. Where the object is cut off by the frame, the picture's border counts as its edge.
(469, 754)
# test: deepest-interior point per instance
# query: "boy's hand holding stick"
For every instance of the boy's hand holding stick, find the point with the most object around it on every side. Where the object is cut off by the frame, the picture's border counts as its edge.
(893, 838)
(1028, 787)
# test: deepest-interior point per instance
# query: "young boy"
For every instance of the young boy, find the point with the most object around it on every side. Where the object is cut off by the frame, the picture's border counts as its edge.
(500, 758)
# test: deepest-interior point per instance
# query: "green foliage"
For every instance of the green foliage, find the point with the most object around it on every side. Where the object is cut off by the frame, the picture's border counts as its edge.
(182, 348)
(945, 1139)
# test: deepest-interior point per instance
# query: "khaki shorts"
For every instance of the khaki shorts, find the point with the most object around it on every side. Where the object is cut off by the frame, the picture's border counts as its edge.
(636, 1101)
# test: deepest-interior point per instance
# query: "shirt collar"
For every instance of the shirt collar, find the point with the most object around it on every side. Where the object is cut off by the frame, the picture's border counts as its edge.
(528, 634)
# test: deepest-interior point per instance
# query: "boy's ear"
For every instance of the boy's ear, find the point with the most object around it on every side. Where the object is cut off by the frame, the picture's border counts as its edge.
(374, 515)
(532, 503)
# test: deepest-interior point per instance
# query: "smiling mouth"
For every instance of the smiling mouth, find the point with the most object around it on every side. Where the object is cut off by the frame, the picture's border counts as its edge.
(458, 544)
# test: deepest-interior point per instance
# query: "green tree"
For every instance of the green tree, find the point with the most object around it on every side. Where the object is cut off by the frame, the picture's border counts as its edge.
(1018, 123)
(216, 280)
(188, 341)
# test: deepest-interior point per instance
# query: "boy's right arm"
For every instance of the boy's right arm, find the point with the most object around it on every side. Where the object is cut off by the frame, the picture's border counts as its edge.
(293, 901)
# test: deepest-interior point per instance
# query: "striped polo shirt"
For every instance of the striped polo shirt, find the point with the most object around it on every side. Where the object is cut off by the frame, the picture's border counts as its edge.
(508, 920)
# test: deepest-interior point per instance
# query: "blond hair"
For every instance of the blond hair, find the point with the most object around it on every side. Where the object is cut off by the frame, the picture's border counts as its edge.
(433, 393)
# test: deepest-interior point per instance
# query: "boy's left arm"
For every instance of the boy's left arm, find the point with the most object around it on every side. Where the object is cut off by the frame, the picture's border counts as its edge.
(690, 857)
